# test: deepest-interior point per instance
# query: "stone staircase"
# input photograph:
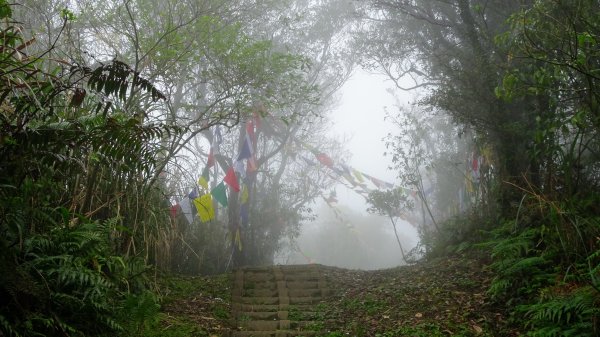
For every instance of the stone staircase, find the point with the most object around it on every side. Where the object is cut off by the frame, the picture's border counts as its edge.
(278, 301)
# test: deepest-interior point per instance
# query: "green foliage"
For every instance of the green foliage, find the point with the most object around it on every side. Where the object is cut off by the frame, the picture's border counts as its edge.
(65, 281)
(369, 305)
(62, 144)
(333, 334)
(425, 330)
(525, 80)
(139, 312)
(544, 270)
(391, 202)
(171, 326)
(563, 311)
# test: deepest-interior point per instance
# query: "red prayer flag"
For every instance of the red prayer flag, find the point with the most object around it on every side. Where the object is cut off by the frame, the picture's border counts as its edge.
(325, 160)
(231, 179)
(174, 210)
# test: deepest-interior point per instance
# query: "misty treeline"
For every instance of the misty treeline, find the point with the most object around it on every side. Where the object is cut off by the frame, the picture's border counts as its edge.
(109, 112)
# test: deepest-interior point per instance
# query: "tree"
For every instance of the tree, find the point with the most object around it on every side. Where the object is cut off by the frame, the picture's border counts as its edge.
(447, 49)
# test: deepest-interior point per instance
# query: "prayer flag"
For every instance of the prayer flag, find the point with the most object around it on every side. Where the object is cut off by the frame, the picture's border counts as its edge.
(238, 167)
(173, 210)
(218, 136)
(376, 182)
(256, 120)
(231, 179)
(206, 173)
(238, 239)
(246, 151)
(250, 131)
(475, 162)
(308, 161)
(350, 179)
(251, 165)
(244, 196)
(220, 194)
(211, 159)
(186, 209)
(193, 194)
(205, 208)
(346, 169)
(469, 185)
(337, 171)
(325, 160)
(203, 182)
(358, 175)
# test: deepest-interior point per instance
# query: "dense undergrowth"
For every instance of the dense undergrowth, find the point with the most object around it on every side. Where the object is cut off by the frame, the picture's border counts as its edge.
(65, 227)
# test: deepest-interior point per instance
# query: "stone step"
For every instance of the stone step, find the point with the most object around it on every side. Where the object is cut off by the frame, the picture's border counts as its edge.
(256, 300)
(304, 292)
(255, 307)
(257, 277)
(259, 325)
(270, 307)
(272, 325)
(309, 276)
(277, 301)
(278, 333)
(302, 284)
(290, 284)
(272, 286)
(298, 267)
(260, 292)
(248, 284)
(260, 315)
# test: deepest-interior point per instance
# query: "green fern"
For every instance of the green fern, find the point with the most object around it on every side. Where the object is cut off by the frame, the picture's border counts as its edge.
(564, 314)
(139, 312)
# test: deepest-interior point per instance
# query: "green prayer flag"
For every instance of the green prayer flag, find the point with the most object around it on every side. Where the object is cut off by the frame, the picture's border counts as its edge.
(206, 172)
(219, 194)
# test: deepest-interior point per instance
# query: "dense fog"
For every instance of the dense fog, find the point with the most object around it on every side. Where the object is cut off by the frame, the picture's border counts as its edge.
(346, 238)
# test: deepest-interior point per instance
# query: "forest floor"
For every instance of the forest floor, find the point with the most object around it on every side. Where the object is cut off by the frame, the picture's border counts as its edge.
(441, 297)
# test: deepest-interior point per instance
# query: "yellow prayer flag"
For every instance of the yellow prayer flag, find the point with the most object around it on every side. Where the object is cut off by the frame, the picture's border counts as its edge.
(205, 208)
(238, 239)
(486, 152)
(358, 175)
(469, 185)
(244, 194)
(202, 182)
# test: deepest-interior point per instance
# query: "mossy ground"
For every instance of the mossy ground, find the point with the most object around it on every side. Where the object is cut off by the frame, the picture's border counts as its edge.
(192, 306)
(441, 297)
